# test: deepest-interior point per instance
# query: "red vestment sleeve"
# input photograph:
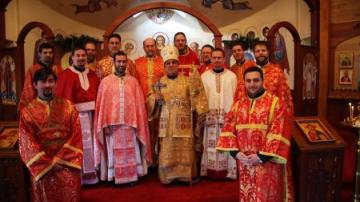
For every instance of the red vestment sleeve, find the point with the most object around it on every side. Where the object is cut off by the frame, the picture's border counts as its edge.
(35, 158)
(227, 140)
(277, 138)
(64, 86)
(71, 153)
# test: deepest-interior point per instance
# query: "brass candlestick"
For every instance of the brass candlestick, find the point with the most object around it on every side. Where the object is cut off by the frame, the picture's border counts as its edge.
(354, 122)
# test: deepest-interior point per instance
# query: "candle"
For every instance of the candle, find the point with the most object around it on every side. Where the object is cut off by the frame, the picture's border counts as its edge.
(350, 112)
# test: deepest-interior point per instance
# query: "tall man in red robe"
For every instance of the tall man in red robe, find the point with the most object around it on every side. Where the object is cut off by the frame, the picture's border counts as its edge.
(122, 135)
(188, 60)
(149, 69)
(79, 85)
(238, 50)
(254, 134)
(46, 57)
(205, 56)
(106, 64)
(50, 142)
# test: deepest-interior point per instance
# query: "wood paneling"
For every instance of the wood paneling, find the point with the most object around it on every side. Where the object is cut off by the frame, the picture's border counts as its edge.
(344, 11)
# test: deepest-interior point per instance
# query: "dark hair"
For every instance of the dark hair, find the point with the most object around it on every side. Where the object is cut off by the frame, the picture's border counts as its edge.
(45, 45)
(208, 46)
(77, 48)
(262, 43)
(118, 54)
(180, 33)
(254, 69)
(219, 50)
(114, 35)
(42, 74)
(239, 43)
(90, 41)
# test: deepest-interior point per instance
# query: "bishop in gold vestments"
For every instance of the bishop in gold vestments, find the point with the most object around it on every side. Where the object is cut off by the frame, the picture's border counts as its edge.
(174, 100)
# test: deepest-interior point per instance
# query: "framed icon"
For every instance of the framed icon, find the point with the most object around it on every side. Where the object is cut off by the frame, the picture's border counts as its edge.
(314, 130)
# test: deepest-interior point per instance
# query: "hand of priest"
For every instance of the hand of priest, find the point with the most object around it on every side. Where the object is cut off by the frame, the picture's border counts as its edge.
(253, 160)
(242, 158)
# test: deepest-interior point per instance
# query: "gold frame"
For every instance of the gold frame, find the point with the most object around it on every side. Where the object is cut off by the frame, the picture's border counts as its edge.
(8, 138)
(319, 132)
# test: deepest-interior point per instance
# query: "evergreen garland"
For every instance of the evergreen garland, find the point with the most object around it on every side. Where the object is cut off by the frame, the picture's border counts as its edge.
(70, 42)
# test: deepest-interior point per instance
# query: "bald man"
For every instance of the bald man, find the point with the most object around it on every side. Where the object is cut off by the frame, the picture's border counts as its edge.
(149, 69)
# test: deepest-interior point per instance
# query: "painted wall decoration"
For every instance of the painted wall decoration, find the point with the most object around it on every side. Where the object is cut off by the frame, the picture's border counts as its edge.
(228, 4)
(129, 46)
(310, 70)
(8, 80)
(159, 15)
(280, 54)
(93, 6)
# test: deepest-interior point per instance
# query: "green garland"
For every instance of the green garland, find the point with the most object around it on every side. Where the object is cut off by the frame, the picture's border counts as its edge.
(70, 42)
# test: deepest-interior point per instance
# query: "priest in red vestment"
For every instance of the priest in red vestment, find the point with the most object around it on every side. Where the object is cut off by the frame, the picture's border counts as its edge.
(46, 56)
(106, 65)
(149, 69)
(205, 56)
(241, 64)
(50, 143)
(122, 136)
(79, 85)
(254, 134)
(187, 58)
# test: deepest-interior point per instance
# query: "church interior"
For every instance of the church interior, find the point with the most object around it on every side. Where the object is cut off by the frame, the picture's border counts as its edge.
(316, 42)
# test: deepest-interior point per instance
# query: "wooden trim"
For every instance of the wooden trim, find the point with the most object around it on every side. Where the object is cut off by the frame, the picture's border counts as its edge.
(129, 13)
(340, 32)
(324, 57)
(297, 96)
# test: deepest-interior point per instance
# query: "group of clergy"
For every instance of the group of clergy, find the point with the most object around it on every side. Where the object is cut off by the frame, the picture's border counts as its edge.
(172, 111)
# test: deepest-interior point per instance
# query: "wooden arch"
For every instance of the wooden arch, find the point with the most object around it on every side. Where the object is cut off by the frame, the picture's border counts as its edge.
(297, 94)
(49, 35)
(129, 13)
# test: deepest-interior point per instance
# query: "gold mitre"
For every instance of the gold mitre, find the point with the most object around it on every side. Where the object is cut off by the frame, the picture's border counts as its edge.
(169, 53)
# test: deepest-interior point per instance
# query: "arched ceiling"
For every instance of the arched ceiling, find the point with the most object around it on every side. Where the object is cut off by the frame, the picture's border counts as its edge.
(103, 17)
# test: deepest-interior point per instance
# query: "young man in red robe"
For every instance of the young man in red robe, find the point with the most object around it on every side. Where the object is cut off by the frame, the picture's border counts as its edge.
(254, 134)
(188, 60)
(106, 65)
(50, 142)
(121, 127)
(46, 57)
(79, 85)
(238, 50)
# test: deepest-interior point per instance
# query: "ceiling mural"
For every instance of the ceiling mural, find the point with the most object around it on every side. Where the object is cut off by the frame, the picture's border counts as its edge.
(100, 13)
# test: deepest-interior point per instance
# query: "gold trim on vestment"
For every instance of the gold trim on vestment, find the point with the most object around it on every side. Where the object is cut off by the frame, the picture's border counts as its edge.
(272, 109)
(279, 137)
(35, 158)
(73, 148)
(277, 159)
(61, 161)
(226, 149)
(227, 134)
(42, 173)
(251, 126)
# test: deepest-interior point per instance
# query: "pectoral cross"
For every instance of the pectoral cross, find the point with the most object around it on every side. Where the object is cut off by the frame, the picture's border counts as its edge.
(157, 87)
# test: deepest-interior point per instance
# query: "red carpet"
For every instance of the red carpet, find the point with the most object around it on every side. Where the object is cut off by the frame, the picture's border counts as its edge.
(149, 189)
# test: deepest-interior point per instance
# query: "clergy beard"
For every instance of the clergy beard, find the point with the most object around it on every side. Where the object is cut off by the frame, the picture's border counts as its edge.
(207, 62)
(182, 51)
(90, 58)
(48, 93)
(262, 60)
(120, 71)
